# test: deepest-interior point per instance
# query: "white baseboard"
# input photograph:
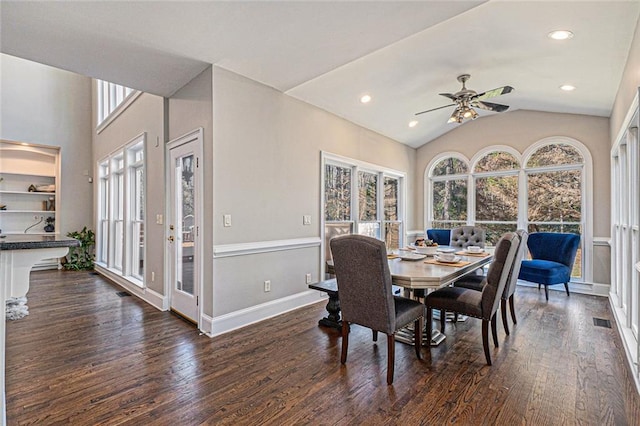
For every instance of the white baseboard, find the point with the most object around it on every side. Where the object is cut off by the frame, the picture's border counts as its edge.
(153, 298)
(628, 339)
(593, 289)
(244, 317)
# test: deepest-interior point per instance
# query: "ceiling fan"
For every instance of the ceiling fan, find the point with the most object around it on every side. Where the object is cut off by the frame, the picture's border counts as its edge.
(465, 100)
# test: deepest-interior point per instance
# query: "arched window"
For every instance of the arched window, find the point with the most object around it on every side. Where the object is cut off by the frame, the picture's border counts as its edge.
(547, 188)
(554, 176)
(448, 188)
(495, 177)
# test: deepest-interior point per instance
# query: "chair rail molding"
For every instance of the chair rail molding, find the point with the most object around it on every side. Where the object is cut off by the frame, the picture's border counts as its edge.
(257, 247)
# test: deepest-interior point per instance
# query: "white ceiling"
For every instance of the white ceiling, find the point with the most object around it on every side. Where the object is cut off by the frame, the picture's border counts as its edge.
(329, 53)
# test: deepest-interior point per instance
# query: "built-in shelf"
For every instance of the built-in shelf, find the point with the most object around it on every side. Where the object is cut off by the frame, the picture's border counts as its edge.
(29, 211)
(24, 166)
(28, 193)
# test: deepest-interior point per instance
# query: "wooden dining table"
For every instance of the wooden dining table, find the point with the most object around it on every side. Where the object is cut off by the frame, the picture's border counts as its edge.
(426, 276)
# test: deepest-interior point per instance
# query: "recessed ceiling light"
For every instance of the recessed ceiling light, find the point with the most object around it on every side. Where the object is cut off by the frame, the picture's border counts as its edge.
(560, 35)
(413, 123)
(567, 87)
(365, 99)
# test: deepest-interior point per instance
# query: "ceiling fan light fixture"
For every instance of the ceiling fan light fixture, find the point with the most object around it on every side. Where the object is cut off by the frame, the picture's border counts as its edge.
(560, 35)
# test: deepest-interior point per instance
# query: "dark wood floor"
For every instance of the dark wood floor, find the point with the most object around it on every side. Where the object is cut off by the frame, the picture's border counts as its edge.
(86, 356)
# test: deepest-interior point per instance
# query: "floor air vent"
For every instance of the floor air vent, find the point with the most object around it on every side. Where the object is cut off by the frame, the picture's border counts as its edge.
(599, 322)
(122, 294)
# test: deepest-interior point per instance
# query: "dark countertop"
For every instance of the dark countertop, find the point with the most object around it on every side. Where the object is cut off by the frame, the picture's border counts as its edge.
(26, 241)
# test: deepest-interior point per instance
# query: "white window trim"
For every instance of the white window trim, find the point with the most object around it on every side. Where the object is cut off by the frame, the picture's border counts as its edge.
(122, 151)
(587, 187)
(338, 160)
(119, 109)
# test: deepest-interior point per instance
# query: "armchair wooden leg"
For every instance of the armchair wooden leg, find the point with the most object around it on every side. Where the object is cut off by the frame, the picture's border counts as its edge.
(546, 292)
(418, 336)
(391, 351)
(512, 309)
(345, 341)
(494, 331)
(566, 287)
(485, 340)
(375, 335)
(503, 308)
(443, 319)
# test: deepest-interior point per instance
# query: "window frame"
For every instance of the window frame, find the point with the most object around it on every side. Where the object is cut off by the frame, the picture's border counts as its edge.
(501, 173)
(382, 173)
(111, 100)
(117, 177)
(586, 168)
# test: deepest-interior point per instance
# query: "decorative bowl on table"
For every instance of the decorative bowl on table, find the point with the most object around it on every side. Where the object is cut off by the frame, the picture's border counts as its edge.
(430, 250)
(424, 246)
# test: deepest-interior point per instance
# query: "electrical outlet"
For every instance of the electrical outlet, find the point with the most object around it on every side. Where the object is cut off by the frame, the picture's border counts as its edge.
(267, 286)
(306, 219)
(308, 278)
(35, 217)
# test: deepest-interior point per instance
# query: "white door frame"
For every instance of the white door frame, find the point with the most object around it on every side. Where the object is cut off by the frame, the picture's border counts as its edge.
(196, 135)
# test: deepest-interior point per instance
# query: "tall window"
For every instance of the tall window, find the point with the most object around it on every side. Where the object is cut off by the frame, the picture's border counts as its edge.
(102, 236)
(110, 97)
(554, 192)
(545, 192)
(449, 181)
(135, 154)
(364, 199)
(121, 201)
(496, 194)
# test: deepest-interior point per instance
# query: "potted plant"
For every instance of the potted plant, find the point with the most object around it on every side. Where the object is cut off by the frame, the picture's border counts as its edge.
(50, 227)
(80, 258)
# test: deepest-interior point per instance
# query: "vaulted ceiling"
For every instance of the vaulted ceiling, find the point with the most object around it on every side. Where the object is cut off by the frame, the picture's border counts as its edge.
(330, 53)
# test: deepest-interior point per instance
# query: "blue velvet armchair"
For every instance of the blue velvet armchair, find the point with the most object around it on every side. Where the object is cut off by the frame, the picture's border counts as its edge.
(440, 236)
(552, 258)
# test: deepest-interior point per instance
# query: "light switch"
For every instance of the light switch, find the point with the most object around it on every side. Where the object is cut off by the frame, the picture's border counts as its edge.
(227, 220)
(306, 219)
(159, 219)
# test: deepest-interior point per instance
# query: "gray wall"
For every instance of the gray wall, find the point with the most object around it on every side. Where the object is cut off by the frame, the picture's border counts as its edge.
(49, 106)
(146, 114)
(628, 88)
(267, 176)
(520, 129)
(189, 108)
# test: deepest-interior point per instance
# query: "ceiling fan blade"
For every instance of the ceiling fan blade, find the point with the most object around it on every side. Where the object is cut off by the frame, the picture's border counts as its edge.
(434, 109)
(493, 93)
(490, 106)
(449, 95)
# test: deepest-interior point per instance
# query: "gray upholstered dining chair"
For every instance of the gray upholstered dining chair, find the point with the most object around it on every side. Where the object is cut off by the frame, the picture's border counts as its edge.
(464, 236)
(364, 287)
(477, 282)
(478, 304)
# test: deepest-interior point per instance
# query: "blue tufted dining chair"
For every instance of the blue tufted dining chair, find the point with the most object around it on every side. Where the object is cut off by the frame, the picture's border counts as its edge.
(440, 236)
(552, 258)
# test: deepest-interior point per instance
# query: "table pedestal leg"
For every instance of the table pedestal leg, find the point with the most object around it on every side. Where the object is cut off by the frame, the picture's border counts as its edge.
(333, 307)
